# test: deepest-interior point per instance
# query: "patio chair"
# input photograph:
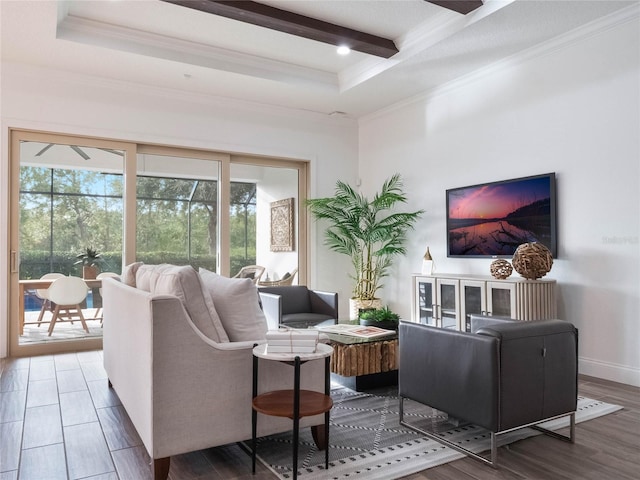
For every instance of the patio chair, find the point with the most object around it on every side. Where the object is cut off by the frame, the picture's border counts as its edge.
(254, 272)
(287, 279)
(68, 293)
(43, 293)
(100, 277)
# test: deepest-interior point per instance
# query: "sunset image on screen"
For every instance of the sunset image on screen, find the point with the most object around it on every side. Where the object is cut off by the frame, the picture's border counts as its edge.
(494, 219)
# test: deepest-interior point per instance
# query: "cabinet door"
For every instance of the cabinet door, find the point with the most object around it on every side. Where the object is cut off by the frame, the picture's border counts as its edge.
(472, 301)
(501, 299)
(425, 301)
(448, 302)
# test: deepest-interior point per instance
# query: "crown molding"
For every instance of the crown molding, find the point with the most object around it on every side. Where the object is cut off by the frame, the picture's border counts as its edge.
(559, 42)
(92, 32)
(66, 78)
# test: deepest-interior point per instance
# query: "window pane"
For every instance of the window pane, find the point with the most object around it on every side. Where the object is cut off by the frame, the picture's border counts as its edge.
(242, 223)
(177, 211)
(70, 200)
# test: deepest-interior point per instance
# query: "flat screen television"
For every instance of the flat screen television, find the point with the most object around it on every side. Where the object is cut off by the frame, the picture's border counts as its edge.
(493, 219)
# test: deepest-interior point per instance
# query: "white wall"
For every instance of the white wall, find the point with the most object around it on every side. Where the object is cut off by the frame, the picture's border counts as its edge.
(575, 111)
(58, 102)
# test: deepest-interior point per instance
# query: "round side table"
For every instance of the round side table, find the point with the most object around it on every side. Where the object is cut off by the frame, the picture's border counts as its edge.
(294, 404)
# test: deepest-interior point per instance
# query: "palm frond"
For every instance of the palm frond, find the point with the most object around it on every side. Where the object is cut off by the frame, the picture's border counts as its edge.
(369, 232)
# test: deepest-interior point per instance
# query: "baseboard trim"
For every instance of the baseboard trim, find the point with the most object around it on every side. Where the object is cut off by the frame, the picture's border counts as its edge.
(609, 371)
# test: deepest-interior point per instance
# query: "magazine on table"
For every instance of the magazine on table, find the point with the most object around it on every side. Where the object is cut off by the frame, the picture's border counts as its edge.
(356, 330)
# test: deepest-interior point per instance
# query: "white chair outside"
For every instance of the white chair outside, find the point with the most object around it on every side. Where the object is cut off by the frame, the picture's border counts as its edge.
(43, 293)
(68, 293)
(100, 277)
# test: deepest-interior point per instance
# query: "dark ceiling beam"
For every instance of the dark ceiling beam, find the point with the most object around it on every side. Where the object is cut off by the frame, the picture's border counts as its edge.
(294, 24)
(460, 6)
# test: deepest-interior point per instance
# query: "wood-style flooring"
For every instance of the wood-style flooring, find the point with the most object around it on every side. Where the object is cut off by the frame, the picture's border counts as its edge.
(59, 420)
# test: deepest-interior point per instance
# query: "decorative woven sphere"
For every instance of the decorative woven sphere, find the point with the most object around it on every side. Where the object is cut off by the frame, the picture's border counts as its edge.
(532, 260)
(500, 269)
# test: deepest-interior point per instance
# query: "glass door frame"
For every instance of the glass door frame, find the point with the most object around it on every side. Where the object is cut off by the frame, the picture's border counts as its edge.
(16, 137)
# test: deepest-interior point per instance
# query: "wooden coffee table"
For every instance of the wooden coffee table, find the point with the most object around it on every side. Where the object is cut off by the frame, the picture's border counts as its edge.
(364, 363)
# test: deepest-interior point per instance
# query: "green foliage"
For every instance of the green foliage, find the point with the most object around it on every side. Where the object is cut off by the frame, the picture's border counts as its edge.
(174, 258)
(365, 230)
(380, 315)
(62, 211)
(89, 258)
(35, 263)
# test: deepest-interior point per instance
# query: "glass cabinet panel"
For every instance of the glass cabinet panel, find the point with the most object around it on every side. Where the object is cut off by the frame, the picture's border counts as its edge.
(472, 302)
(448, 305)
(426, 303)
(501, 300)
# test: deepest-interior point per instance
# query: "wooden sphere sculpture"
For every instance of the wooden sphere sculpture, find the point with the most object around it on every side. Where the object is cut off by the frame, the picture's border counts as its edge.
(500, 269)
(532, 260)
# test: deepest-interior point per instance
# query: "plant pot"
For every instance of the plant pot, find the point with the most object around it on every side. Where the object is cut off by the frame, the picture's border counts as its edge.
(356, 304)
(386, 324)
(89, 272)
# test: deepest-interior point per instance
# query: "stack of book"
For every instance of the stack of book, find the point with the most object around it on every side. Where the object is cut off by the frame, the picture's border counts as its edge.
(292, 341)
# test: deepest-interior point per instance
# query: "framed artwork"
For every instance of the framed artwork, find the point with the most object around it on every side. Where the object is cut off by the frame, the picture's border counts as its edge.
(282, 225)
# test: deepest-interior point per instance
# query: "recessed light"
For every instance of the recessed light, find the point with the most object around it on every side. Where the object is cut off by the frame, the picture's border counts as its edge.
(343, 50)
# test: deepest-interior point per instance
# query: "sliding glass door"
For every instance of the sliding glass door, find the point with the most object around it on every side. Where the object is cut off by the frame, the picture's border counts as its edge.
(67, 201)
(75, 198)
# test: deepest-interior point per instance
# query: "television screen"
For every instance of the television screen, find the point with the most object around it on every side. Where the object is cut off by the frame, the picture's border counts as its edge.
(493, 219)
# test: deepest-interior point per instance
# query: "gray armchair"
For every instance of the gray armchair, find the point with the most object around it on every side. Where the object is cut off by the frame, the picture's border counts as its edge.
(298, 307)
(506, 376)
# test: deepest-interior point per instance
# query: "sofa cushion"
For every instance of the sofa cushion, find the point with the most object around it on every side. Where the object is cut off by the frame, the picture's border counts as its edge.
(129, 274)
(236, 300)
(184, 283)
(145, 274)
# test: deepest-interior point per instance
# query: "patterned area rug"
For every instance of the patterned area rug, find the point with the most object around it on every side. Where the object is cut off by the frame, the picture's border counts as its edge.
(367, 441)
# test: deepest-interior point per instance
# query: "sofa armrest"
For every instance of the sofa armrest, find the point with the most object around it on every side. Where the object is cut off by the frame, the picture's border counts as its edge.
(272, 308)
(451, 371)
(325, 303)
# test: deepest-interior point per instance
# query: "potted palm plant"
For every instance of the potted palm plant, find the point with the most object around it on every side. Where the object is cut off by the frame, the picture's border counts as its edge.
(367, 231)
(90, 259)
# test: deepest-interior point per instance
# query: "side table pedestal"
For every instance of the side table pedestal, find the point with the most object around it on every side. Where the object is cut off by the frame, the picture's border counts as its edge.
(295, 403)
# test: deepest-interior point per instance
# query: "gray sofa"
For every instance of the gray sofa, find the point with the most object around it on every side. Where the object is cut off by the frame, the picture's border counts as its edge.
(298, 306)
(507, 375)
(183, 383)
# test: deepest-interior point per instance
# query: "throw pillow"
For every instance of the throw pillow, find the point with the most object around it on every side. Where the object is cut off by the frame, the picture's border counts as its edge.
(236, 300)
(144, 274)
(184, 283)
(129, 274)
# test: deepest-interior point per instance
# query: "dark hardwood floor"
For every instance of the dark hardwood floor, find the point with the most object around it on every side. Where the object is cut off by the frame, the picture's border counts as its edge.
(59, 420)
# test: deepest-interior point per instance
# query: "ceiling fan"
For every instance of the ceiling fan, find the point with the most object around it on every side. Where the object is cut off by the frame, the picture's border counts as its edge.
(81, 152)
